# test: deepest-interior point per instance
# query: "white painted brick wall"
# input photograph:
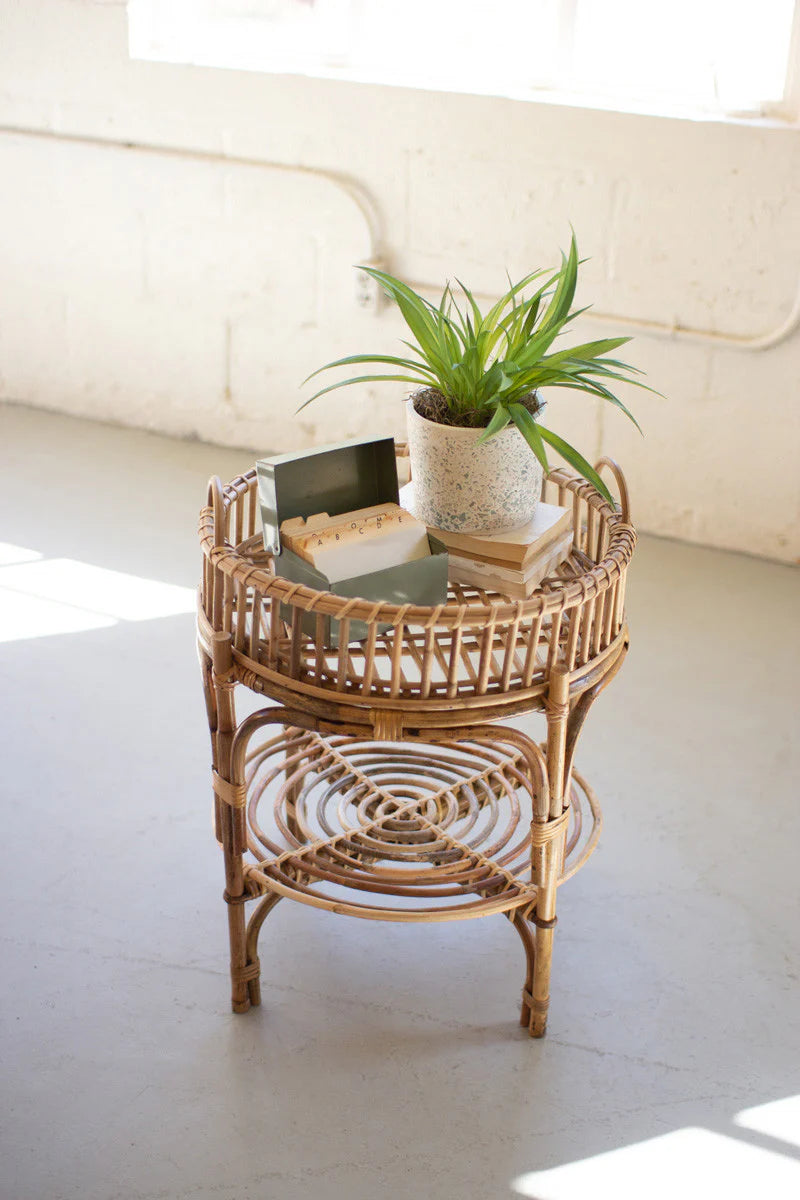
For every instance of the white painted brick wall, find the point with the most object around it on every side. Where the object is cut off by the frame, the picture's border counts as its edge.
(193, 296)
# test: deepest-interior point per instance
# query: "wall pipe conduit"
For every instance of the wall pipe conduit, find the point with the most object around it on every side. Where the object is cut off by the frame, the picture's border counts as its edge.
(363, 200)
(369, 210)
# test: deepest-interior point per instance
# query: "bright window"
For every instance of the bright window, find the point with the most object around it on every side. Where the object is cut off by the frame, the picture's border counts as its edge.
(722, 56)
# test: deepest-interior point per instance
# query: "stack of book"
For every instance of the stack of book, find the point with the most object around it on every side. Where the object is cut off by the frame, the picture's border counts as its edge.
(514, 562)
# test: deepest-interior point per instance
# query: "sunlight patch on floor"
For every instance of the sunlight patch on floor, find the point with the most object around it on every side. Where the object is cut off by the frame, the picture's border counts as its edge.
(693, 1164)
(16, 554)
(778, 1119)
(41, 596)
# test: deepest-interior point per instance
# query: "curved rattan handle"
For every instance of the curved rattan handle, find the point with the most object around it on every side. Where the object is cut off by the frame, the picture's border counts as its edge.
(216, 502)
(622, 486)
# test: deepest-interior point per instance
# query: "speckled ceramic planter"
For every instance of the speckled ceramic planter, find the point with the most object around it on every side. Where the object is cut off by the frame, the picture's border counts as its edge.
(467, 488)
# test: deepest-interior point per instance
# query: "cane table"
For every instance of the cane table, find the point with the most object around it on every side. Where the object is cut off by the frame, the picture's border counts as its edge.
(381, 779)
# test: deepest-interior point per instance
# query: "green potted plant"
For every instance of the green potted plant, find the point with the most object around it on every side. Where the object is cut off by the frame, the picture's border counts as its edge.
(476, 439)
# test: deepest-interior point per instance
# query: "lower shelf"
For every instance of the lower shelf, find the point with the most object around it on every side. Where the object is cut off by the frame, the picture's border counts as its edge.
(407, 831)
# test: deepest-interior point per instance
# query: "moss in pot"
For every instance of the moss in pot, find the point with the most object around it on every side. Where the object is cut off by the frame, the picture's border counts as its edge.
(476, 440)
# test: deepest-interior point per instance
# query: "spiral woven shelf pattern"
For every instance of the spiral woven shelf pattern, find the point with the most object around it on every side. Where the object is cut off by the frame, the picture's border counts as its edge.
(399, 831)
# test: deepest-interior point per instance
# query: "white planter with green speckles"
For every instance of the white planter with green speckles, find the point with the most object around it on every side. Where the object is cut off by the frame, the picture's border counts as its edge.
(470, 488)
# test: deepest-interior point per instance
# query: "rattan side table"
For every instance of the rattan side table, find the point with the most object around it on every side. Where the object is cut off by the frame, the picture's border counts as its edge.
(379, 781)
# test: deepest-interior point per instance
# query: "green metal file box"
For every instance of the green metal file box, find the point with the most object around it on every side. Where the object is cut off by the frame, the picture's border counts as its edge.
(338, 479)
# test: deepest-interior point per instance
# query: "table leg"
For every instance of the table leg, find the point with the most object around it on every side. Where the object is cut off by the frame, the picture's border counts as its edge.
(548, 857)
(548, 836)
(230, 801)
(549, 829)
(520, 923)
(231, 747)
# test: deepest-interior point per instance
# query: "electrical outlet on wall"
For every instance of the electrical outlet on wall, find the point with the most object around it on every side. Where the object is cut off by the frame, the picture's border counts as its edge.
(369, 293)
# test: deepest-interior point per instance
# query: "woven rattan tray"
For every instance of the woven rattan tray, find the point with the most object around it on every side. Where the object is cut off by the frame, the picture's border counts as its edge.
(480, 651)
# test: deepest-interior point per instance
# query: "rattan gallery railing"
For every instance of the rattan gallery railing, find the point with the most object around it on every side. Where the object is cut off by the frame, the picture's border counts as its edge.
(384, 792)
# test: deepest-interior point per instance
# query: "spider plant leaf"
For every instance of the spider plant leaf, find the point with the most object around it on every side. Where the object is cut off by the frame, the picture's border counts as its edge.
(492, 339)
(463, 328)
(449, 342)
(484, 345)
(491, 382)
(388, 359)
(615, 400)
(531, 315)
(477, 316)
(463, 380)
(534, 350)
(577, 312)
(414, 348)
(362, 379)
(511, 287)
(529, 379)
(557, 310)
(437, 348)
(615, 364)
(418, 313)
(593, 388)
(500, 419)
(617, 375)
(530, 431)
(589, 382)
(496, 310)
(518, 326)
(576, 460)
(588, 350)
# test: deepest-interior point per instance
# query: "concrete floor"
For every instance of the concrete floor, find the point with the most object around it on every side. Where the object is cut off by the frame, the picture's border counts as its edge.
(386, 1060)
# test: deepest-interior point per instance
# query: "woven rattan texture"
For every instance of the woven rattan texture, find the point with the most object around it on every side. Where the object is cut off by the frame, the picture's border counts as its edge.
(477, 647)
(403, 831)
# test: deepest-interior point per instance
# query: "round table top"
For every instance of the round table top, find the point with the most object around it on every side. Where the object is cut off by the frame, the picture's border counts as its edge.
(479, 650)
